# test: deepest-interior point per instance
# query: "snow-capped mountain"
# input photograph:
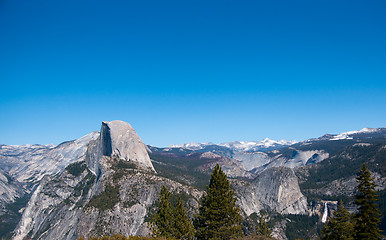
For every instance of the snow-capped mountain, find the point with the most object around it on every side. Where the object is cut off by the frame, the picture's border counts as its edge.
(191, 146)
(364, 133)
(257, 156)
(253, 146)
(354, 134)
(239, 146)
(65, 184)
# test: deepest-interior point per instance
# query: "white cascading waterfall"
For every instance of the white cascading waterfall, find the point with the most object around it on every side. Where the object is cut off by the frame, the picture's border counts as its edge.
(325, 213)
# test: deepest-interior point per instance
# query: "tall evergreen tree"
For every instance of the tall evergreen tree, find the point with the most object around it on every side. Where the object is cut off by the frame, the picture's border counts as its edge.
(171, 222)
(262, 227)
(367, 218)
(218, 216)
(183, 226)
(162, 222)
(338, 227)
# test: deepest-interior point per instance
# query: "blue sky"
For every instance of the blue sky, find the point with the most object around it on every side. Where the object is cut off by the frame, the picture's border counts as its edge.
(183, 71)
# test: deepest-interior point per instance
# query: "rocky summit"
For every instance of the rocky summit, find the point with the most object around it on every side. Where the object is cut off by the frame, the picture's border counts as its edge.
(108, 182)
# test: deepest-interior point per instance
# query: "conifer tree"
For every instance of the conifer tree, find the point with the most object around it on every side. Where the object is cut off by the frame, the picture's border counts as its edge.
(367, 218)
(338, 227)
(183, 226)
(262, 227)
(171, 222)
(218, 216)
(162, 222)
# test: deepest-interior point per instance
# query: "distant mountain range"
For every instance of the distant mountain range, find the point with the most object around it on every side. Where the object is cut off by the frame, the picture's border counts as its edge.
(269, 144)
(108, 181)
(255, 156)
(241, 146)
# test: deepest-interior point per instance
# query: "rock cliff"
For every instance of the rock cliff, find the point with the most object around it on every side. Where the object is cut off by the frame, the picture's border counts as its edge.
(111, 188)
(275, 189)
(119, 139)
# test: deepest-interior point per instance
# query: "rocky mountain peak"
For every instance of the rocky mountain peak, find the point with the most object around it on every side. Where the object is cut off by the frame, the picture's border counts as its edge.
(119, 139)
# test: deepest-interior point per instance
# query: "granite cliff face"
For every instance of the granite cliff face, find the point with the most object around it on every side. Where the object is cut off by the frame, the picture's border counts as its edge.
(119, 139)
(24, 167)
(105, 182)
(111, 188)
(275, 189)
(30, 163)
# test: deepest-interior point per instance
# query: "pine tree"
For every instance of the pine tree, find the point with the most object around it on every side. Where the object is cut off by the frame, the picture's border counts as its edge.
(367, 218)
(338, 227)
(162, 222)
(171, 222)
(262, 227)
(183, 226)
(218, 216)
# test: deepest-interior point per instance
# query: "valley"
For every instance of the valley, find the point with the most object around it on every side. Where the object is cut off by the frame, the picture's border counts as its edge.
(108, 181)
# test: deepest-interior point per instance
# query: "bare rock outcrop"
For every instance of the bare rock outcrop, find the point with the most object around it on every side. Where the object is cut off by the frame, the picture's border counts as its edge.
(276, 189)
(109, 185)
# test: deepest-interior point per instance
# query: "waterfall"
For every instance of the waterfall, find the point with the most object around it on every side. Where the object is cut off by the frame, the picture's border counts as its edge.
(324, 218)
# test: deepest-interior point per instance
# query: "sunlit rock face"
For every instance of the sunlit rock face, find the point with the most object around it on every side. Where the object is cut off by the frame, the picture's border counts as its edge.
(276, 189)
(70, 204)
(119, 139)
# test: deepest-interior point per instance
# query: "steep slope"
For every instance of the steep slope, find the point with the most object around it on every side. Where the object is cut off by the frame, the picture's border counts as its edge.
(25, 166)
(88, 198)
(335, 178)
(31, 163)
(10, 190)
(11, 200)
(118, 138)
(252, 160)
(202, 162)
(256, 156)
(275, 190)
(105, 182)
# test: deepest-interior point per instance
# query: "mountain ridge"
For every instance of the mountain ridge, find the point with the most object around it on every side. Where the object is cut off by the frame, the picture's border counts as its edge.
(68, 184)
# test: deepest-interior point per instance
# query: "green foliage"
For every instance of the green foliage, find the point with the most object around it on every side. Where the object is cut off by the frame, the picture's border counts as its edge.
(367, 218)
(121, 168)
(107, 199)
(85, 185)
(254, 237)
(338, 227)
(181, 169)
(171, 222)
(77, 168)
(121, 237)
(343, 166)
(122, 164)
(162, 221)
(174, 198)
(382, 208)
(346, 164)
(218, 216)
(81, 189)
(262, 227)
(183, 226)
(130, 203)
(301, 226)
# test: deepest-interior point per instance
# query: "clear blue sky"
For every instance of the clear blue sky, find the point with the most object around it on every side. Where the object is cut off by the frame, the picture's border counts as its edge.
(183, 71)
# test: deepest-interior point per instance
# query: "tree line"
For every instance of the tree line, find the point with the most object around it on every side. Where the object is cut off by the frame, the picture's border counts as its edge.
(364, 223)
(218, 216)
